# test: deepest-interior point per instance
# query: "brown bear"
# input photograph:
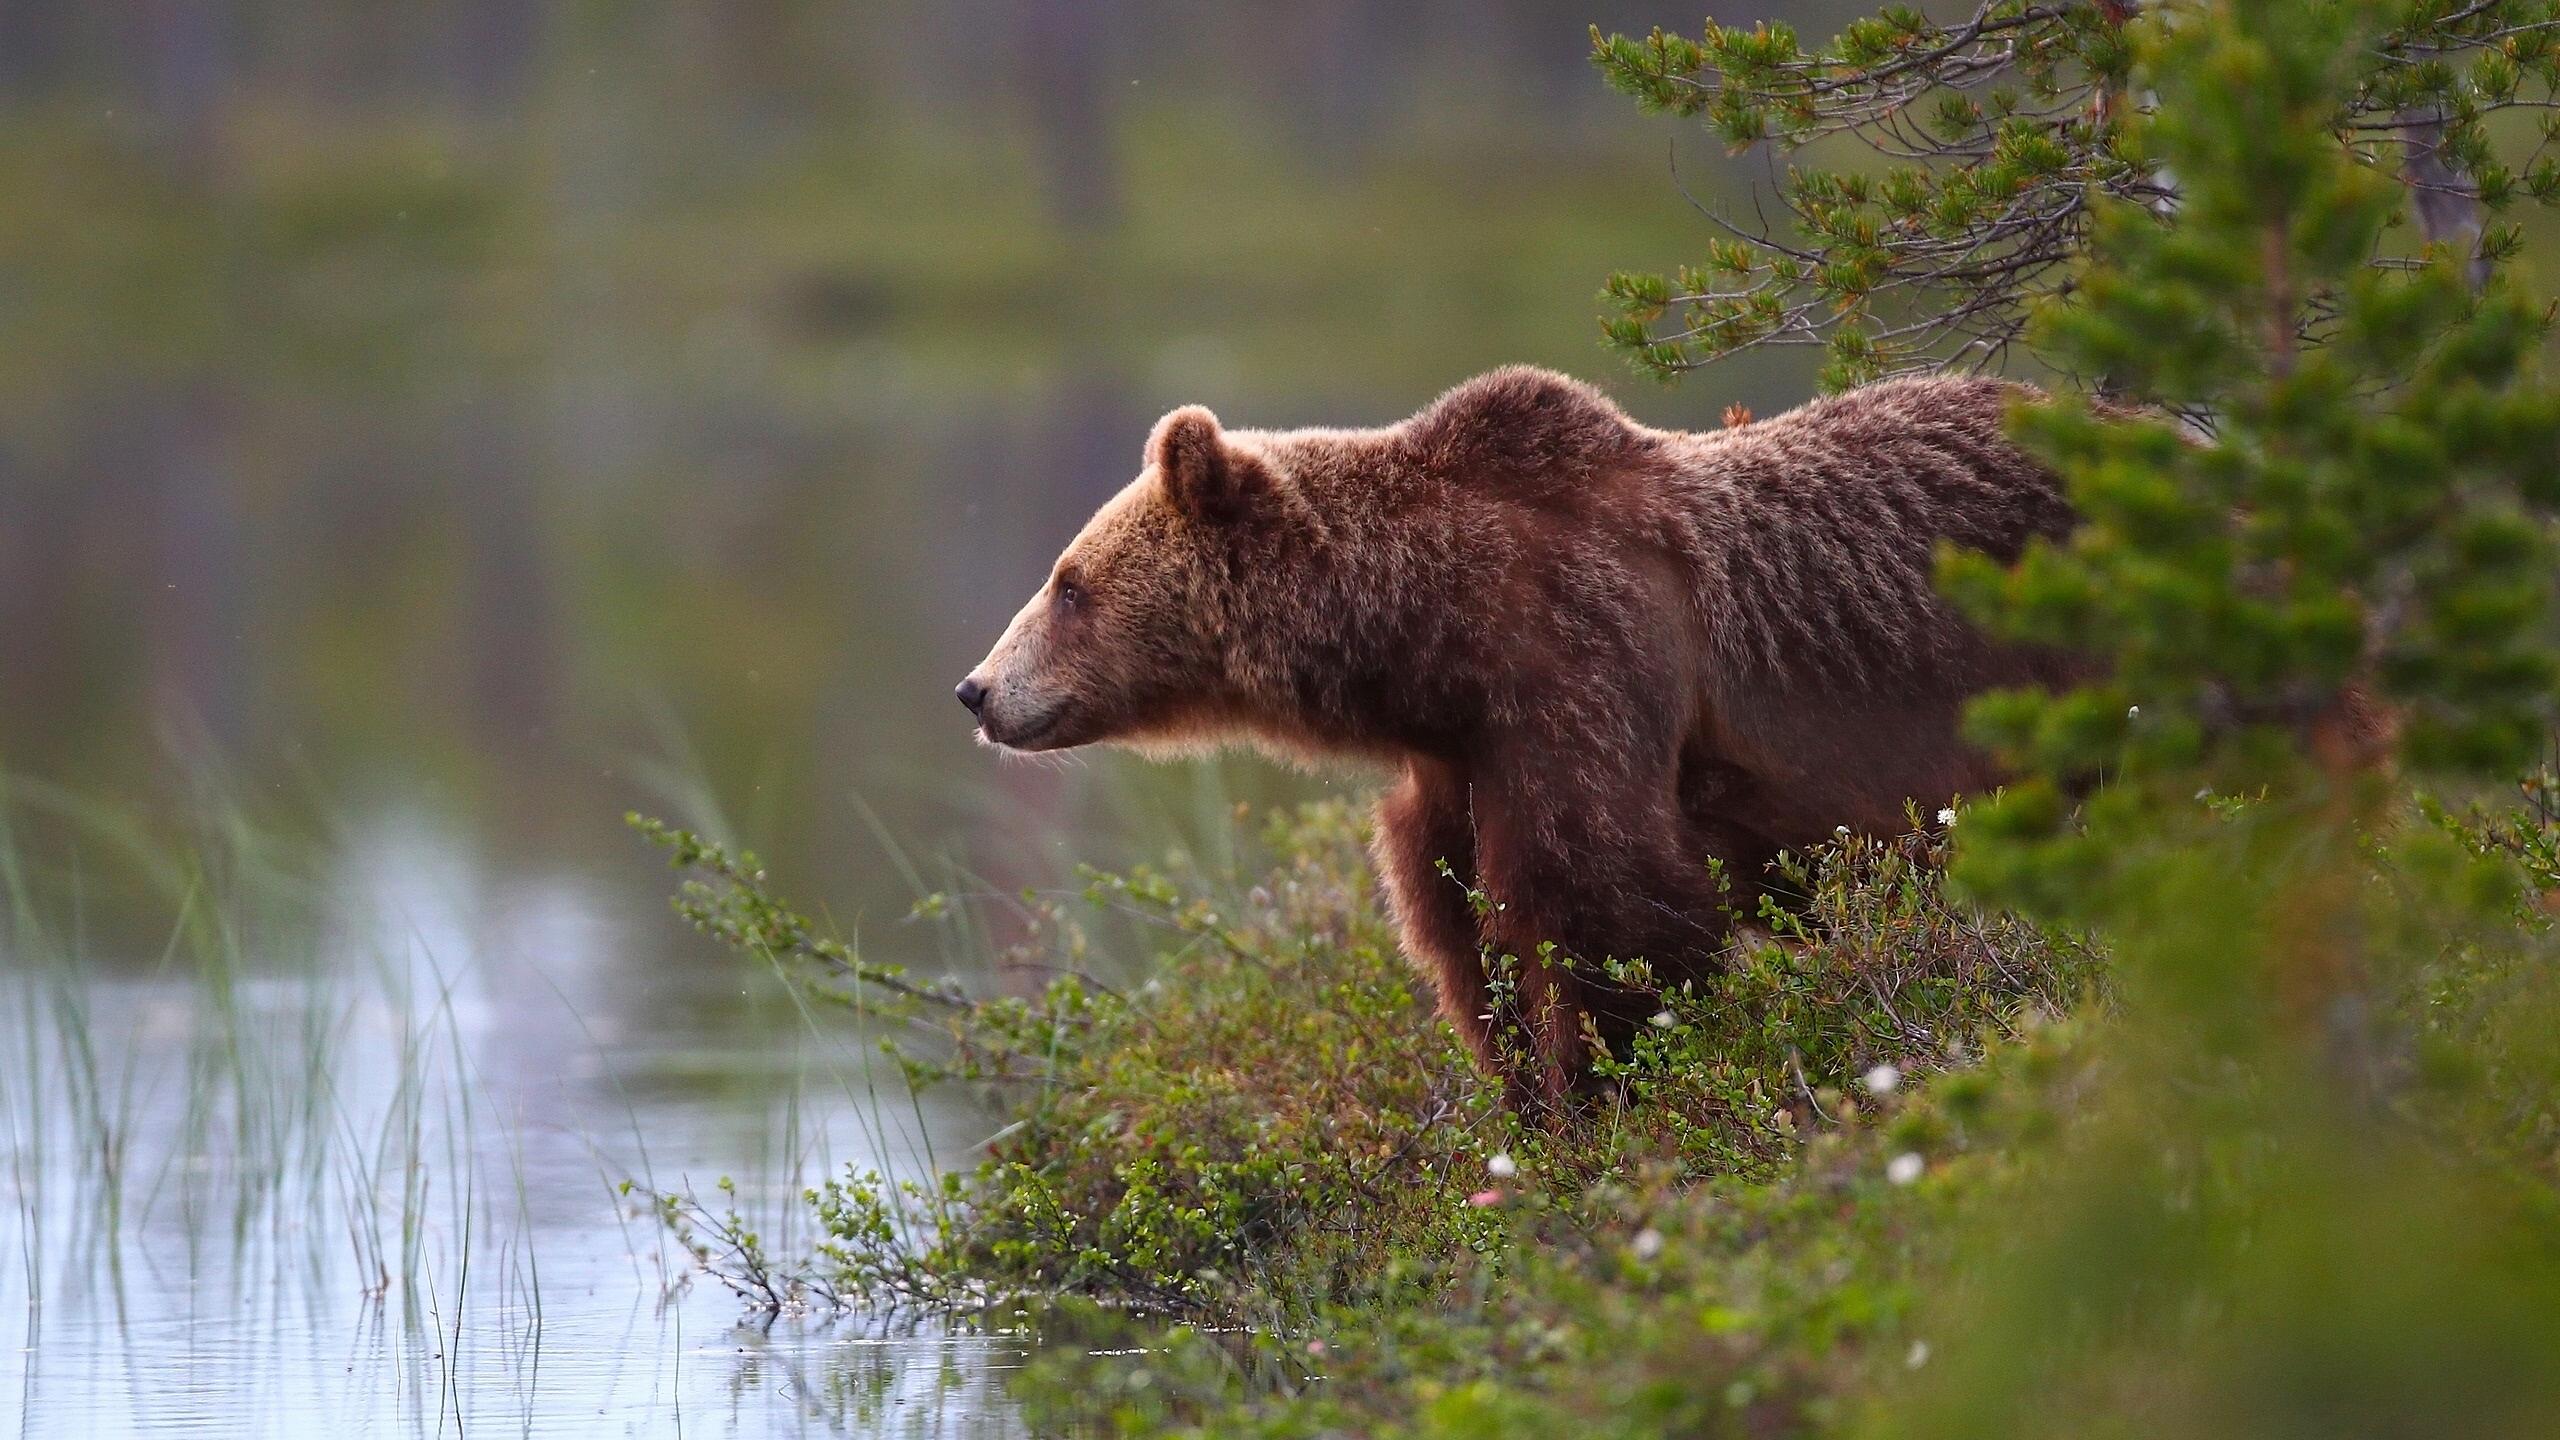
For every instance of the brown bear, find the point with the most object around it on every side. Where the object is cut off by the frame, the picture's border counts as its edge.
(1599, 656)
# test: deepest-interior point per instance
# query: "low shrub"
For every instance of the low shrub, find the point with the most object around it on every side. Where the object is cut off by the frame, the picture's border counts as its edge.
(1275, 1119)
(1263, 1192)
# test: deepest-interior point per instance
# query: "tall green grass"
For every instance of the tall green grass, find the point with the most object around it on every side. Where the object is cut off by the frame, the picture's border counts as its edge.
(218, 1072)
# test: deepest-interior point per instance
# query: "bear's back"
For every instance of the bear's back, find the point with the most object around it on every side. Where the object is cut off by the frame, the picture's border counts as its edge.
(1817, 530)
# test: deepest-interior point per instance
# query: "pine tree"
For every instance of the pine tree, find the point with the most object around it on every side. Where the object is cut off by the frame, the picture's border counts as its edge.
(2333, 600)
(1979, 154)
(2348, 579)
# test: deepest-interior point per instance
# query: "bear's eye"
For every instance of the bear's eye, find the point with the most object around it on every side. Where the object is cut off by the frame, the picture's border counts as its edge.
(1070, 593)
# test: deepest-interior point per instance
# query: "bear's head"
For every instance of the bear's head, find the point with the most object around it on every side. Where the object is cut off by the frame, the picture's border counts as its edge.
(1128, 640)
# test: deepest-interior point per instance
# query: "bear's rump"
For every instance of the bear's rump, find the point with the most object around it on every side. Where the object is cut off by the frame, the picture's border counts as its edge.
(1794, 768)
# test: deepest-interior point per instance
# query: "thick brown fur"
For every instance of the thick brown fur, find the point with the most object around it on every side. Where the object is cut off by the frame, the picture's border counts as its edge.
(1598, 656)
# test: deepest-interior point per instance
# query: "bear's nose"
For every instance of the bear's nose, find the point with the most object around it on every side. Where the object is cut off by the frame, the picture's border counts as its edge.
(972, 693)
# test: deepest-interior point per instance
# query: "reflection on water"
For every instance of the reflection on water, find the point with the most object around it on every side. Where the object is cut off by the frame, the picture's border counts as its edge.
(591, 1360)
(579, 1372)
(372, 1181)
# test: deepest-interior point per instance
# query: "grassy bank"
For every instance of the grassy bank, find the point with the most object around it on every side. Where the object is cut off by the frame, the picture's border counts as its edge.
(1263, 1192)
(1269, 1161)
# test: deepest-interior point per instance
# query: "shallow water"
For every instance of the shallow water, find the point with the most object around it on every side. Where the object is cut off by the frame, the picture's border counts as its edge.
(383, 1196)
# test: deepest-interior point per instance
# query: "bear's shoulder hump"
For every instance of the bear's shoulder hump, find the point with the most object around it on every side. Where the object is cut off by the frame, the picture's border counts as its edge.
(1515, 416)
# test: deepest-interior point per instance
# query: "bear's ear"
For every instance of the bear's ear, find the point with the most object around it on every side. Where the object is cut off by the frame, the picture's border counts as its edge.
(1208, 480)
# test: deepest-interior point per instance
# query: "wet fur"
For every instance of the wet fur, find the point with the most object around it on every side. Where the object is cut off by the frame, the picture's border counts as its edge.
(1598, 656)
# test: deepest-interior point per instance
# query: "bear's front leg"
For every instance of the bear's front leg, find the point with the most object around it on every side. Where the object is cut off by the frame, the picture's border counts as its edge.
(1424, 823)
(1588, 852)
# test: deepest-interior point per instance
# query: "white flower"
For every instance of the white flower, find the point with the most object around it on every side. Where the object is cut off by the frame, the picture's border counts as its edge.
(1947, 816)
(2133, 712)
(1882, 1079)
(1840, 830)
(1904, 1168)
(1501, 1166)
(1648, 1243)
(1664, 1019)
(1917, 1356)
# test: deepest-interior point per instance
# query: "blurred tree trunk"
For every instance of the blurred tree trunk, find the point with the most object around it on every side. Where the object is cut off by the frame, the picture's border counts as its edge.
(509, 621)
(1344, 50)
(494, 44)
(40, 596)
(195, 620)
(1067, 69)
(31, 47)
(196, 616)
(2446, 201)
(183, 49)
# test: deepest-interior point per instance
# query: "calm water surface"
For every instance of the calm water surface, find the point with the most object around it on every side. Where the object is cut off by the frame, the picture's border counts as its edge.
(382, 1194)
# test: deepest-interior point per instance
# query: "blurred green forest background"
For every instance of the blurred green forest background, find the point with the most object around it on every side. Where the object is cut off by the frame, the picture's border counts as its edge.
(529, 409)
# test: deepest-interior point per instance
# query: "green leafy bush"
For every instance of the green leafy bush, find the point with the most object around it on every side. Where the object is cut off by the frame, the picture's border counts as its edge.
(1908, 1259)
(1276, 1119)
